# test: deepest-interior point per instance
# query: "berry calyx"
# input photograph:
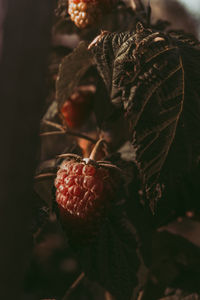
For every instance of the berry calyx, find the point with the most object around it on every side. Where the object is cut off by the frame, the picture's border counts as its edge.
(77, 108)
(85, 190)
(88, 12)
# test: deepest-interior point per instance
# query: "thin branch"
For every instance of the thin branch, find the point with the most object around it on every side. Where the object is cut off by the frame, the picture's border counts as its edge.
(140, 295)
(69, 132)
(45, 176)
(101, 143)
(73, 286)
(65, 155)
(53, 124)
(108, 296)
(48, 133)
(111, 166)
(103, 162)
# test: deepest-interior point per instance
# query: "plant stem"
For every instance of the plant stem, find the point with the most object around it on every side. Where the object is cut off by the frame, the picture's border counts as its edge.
(96, 149)
(73, 286)
(108, 296)
(53, 124)
(69, 132)
(65, 155)
(45, 176)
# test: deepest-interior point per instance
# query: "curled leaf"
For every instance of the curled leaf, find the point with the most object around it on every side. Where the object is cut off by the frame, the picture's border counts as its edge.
(71, 70)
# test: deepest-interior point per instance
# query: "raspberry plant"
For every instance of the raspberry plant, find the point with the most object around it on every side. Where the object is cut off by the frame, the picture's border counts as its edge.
(146, 107)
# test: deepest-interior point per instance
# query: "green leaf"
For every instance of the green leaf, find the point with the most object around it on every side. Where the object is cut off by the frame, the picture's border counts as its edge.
(114, 259)
(71, 70)
(154, 78)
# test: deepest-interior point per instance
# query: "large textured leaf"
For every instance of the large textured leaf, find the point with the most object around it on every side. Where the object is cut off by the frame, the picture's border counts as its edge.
(175, 264)
(114, 259)
(174, 250)
(179, 295)
(149, 75)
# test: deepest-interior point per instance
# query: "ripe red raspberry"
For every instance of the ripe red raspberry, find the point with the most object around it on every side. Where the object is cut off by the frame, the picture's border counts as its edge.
(87, 12)
(84, 193)
(77, 108)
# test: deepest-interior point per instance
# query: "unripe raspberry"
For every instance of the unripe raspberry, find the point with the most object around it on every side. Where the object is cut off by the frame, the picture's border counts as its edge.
(87, 12)
(77, 108)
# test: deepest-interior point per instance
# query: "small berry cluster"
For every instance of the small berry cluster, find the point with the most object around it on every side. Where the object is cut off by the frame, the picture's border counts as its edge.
(87, 12)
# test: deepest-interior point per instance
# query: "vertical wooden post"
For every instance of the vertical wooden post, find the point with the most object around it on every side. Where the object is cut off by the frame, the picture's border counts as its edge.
(24, 47)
